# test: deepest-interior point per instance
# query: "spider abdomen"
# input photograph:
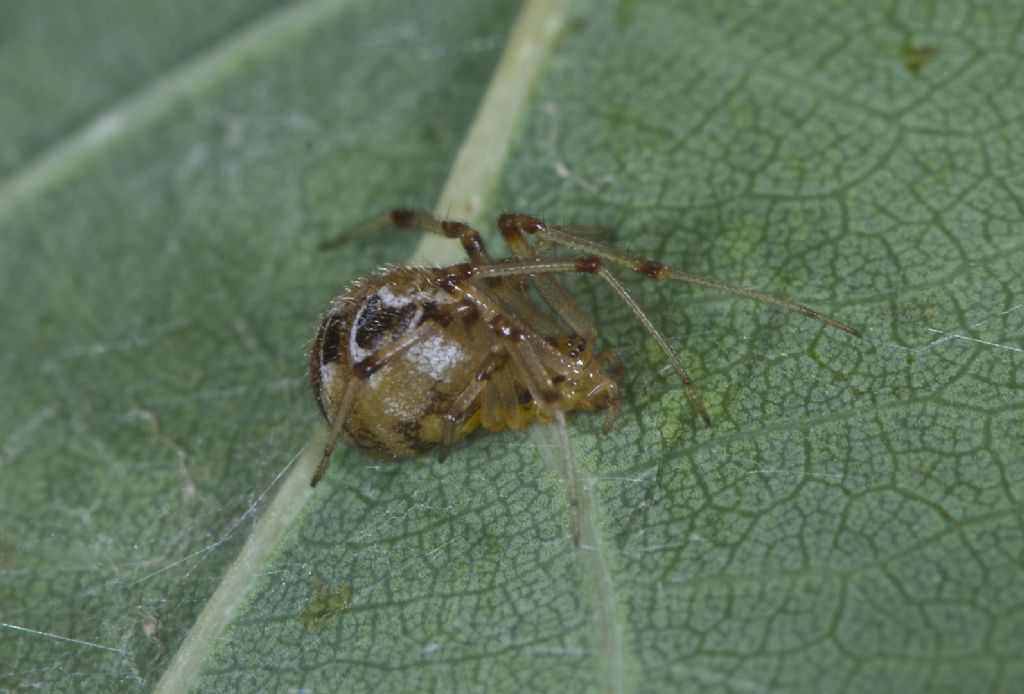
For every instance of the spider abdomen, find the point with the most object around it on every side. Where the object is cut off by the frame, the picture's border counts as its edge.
(397, 409)
(410, 365)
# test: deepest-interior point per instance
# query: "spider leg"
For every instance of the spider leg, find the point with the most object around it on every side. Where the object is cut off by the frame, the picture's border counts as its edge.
(490, 404)
(452, 280)
(466, 398)
(610, 358)
(337, 424)
(553, 292)
(670, 354)
(544, 395)
(570, 474)
(513, 293)
(527, 358)
(376, 361)
(521, 223)
(417, 221)
(506, 401)
(532, 356)
(593, 266)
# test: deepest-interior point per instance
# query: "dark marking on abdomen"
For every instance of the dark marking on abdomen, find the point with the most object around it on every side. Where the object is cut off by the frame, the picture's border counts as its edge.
(330, 340)
(379, 324)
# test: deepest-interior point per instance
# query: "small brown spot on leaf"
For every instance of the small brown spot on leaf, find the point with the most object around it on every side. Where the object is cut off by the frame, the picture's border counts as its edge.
(326, 605)
(916, 57)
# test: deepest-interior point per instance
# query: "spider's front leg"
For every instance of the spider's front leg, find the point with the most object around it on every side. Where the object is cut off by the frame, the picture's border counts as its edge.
(413, 220)
(520, 224)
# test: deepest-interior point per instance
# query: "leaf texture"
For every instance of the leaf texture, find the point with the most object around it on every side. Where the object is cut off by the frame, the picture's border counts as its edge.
(851, 521)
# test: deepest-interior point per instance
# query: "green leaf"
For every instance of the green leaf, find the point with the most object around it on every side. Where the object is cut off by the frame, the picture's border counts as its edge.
(851, 521)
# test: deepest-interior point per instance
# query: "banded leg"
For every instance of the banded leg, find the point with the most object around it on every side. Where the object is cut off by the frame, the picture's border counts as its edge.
(532, 355)
(512, 224)
(553, 292)
(481, 382)
(416, 221)
(593, 266)
(522, 344)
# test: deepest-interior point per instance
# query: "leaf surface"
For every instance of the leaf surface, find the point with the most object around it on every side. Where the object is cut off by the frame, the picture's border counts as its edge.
(850, 522)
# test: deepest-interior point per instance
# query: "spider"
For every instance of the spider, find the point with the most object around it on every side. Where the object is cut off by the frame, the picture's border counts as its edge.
(415, 358)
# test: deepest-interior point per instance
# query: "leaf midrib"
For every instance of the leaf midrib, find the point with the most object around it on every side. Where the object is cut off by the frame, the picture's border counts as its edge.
(468, 194)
